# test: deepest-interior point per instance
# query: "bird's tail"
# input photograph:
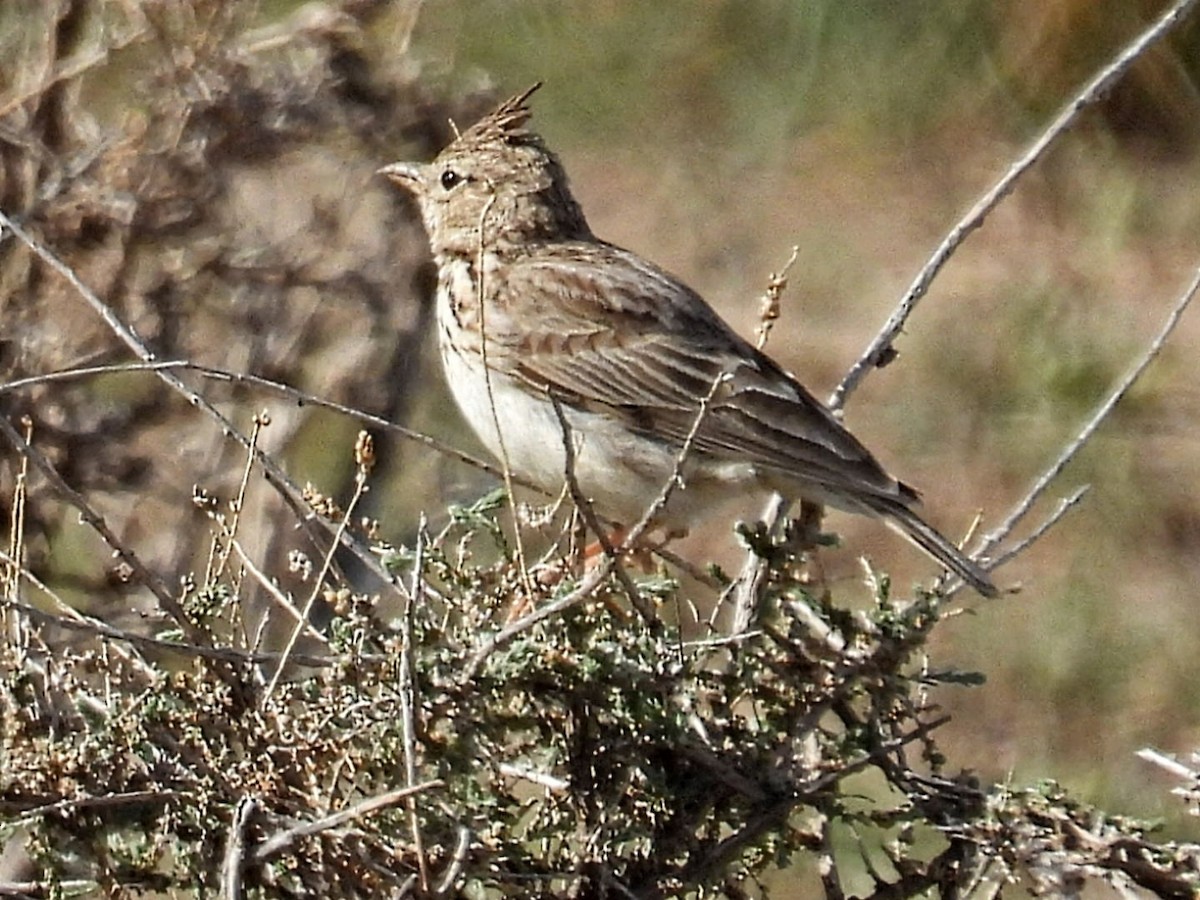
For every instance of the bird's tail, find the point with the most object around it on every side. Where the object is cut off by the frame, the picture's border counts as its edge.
(927, 538)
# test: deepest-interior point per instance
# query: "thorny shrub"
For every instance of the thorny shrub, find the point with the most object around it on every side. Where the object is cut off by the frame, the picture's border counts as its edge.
(434, 737)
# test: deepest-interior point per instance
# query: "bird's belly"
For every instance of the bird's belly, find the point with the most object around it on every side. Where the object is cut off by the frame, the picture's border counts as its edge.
(621, 473)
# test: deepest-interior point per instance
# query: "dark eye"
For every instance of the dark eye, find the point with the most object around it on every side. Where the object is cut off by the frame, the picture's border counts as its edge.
(449, 179)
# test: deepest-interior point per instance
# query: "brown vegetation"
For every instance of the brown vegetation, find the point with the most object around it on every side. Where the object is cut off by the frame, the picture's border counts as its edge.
(180, 183)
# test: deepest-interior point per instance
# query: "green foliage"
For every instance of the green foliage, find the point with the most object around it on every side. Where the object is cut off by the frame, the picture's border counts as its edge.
(551, 757)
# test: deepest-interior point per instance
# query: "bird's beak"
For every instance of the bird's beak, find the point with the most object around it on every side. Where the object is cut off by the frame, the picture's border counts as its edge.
(407, 175)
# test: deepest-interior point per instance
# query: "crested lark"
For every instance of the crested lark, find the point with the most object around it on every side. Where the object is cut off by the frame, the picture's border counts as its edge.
(628, 351)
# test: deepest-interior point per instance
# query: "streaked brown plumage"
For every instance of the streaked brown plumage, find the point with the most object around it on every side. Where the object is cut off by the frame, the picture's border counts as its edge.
(628, 350)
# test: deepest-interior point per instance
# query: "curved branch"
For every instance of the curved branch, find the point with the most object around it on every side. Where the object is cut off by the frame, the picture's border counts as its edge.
(880, 351)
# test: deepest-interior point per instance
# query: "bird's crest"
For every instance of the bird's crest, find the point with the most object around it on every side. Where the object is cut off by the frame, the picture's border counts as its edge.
(505, 124)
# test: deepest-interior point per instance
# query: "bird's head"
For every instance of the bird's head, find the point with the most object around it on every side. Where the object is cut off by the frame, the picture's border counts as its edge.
(496, 184)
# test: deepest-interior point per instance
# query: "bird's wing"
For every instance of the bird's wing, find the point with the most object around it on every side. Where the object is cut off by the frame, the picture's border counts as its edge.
(603, 329)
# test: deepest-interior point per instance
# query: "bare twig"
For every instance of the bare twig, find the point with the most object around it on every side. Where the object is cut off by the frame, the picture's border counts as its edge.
(769, 306)
(880, 349)
(103, 801)
(287, 489)
(408, 704)
(765, 817)
(274, 594)
(1065, 505)
(612, 554)
(75, 374)
(587, 586)
(542, 779)
(1167, 764)
(303, 398)
(284, 840)
(1089, 428)
(584, 505)
(1190, 791)
(690, 569)
(26, 889)
(505, 463)
(724, 771)
(360, 488)
(97, 522)
(675, 481)
(857, 763)
(235, 849)
(261, 421)
(747, 587)
(454, 869)
(10, 573)
(297, 396)
(78, 622)
(12, 603)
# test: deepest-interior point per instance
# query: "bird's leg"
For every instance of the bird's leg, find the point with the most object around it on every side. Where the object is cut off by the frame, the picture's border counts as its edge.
(640, 554)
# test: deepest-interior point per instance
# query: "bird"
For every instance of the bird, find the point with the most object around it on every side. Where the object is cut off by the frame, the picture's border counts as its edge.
(542, 324)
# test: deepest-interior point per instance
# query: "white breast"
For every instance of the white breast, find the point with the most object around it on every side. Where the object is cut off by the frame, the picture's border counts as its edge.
(620, 472)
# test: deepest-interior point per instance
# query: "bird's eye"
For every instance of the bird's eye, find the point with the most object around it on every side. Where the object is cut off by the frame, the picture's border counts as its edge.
(449, 179)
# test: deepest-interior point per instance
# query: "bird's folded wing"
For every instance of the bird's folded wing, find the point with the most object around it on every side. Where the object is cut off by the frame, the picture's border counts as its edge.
(604, 330)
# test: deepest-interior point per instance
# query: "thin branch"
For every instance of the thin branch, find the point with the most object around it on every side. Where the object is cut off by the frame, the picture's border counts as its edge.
(74, 374)
(880, 350)
(19, 571)
(408, 703)
(591, 581)
(1190, 790)
(675, 481)
(723, 771)
(690, 569)
(703, 868)
(815, 786)
(584, 505)
(78, 622)
(97, 522)
(772, 299)
(1102, 411)
(261, 421)
(454, 869)
(505, 463)
(303, 398)
(360, 488)
(1065, 505)
(235, 849)
(274, 593)
(276, 476)
(295, 395)
(746, 589)
(542, 779)
(1167, 764)
(16, 546)
(67, 888)
(282, 841)
(103, 801)
(596, 577)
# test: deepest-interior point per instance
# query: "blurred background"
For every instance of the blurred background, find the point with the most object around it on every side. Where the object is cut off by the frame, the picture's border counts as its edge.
(710, 137)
